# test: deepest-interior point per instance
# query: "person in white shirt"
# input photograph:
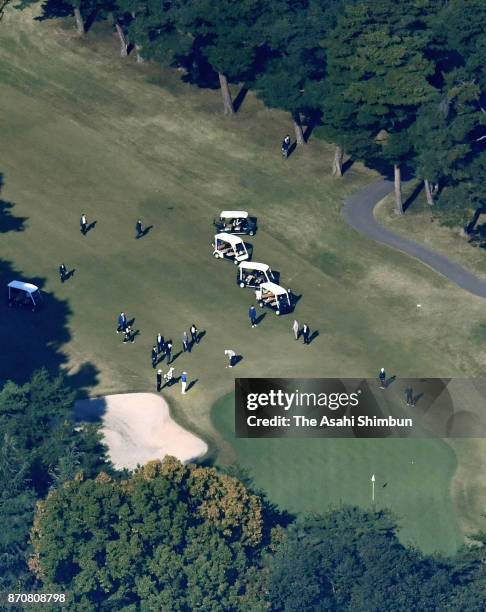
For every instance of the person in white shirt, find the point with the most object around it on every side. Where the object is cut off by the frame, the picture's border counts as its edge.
(296, 329)
(231, 357)
(169, 376)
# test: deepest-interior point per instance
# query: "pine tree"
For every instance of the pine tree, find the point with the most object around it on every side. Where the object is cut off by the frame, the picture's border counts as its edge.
(378, 74)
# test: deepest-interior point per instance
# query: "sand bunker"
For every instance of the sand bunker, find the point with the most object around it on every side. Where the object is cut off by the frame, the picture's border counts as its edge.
(137, 427)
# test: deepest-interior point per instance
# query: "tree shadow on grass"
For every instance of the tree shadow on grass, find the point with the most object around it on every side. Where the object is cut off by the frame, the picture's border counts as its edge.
(34, 340)
(8, 222)
(412, 197)
(30, 340)
(60, 9)
(347, 165)
(239, 99)
(55, 9)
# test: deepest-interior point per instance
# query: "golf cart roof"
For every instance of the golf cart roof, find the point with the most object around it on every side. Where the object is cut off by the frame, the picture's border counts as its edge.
(254, 265)
(274, 288)
(27, 287)
(234, 214)
(229, 238)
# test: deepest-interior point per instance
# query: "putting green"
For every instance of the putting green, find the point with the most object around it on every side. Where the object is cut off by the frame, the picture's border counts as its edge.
(413, 477)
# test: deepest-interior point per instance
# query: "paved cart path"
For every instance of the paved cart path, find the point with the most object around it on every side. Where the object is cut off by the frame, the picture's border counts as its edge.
(358, 212)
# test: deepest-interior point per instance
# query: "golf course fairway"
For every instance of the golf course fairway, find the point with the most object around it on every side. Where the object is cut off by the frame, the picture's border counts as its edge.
(90, 132)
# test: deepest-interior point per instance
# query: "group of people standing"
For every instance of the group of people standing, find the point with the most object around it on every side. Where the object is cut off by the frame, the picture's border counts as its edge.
(161, 350)
(304, 331)
(125, 328)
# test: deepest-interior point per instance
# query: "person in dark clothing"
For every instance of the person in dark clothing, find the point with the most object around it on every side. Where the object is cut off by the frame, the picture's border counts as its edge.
(252, 315)
(62, 272)
(306, 333)
(155, 356)
(168, 351)
(194, 334)
(122, 323)
(160, 342)
(127, 334)
(83, 222)
(286, 146)
(139, 228)
(382, 377)
(159, 380)
(409, 395)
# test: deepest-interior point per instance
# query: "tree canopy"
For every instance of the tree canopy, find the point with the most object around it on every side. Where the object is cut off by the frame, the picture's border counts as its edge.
(169, 537)
(40, 448)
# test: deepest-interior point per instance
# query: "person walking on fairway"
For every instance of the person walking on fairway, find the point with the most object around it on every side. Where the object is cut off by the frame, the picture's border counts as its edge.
(160, 342)
(305, 333)
(409, 395)
(253, 315)
(382, 377)
(296, 329)
(159, 380)
(139, 228)
(286, 146)
(154, 356)
(231, 357)
(185, 342)
(122, 322)
(127, 335)
(169, 377)
(168, 351)
(83, 222)
(62, 272)
(194, 335)
(183, 383)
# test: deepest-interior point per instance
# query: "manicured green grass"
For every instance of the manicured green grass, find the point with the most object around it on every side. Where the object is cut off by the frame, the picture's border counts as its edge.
(88, 132)
(313, 475)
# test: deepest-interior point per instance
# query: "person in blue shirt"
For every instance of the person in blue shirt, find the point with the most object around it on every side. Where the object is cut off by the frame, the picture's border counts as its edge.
(253, 315)
(122, 322)
(183, 382)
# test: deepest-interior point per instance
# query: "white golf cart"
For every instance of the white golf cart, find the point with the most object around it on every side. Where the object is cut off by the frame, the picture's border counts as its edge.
(275, 297)
(24, 294)
(236, 222)
(227, 246)
(253, 273)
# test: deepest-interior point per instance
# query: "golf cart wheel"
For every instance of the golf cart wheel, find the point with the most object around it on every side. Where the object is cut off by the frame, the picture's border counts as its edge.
(235, 262)
(242, 285)
(251, 233)
(260, 304)
(277, 312)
